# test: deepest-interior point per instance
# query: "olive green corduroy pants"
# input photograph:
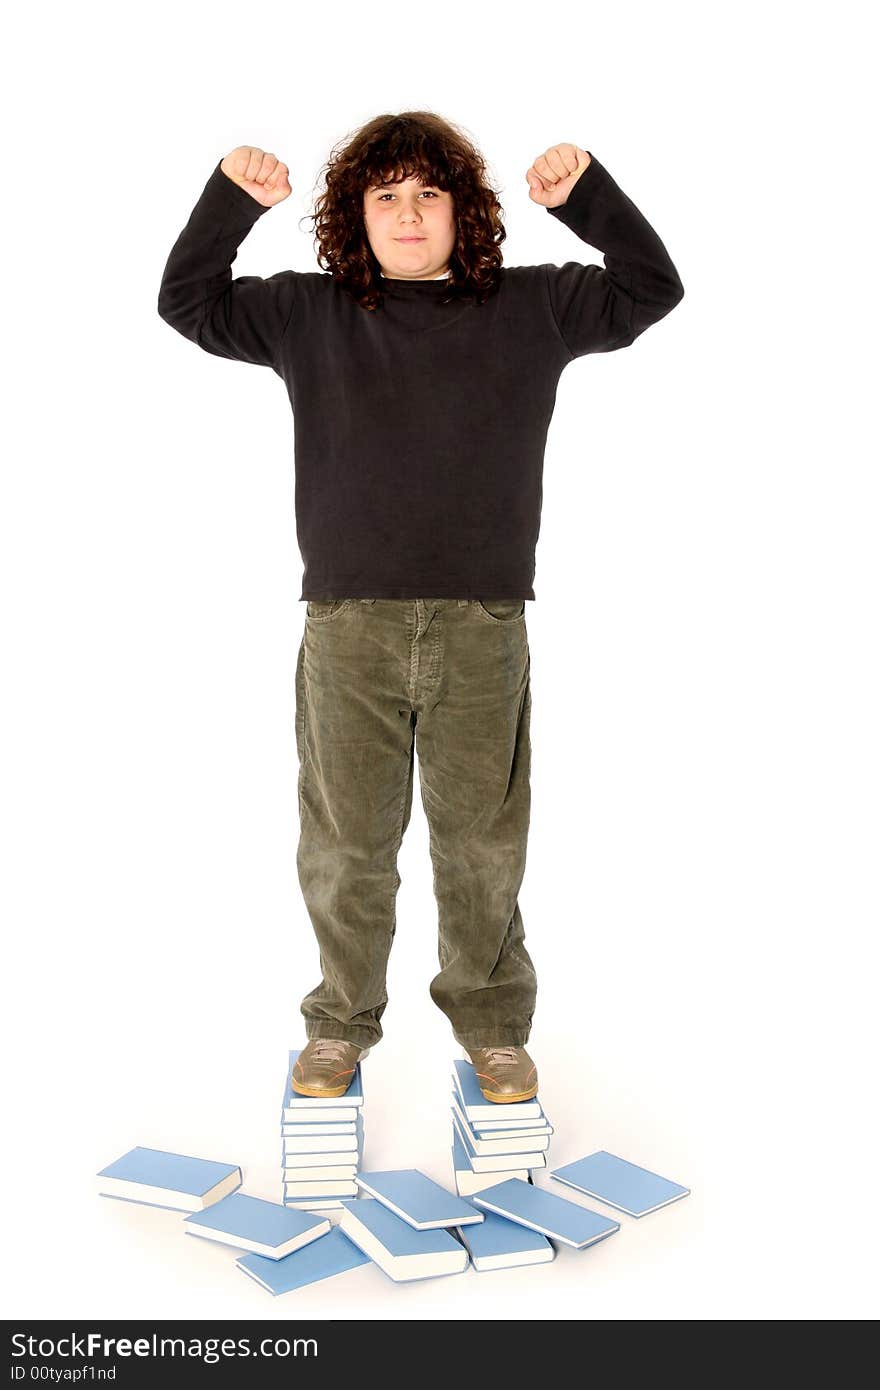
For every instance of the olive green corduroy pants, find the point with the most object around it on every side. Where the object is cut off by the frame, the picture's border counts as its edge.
(378, 680)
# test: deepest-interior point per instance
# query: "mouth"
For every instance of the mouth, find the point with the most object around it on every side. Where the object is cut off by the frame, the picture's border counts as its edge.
(409, 239)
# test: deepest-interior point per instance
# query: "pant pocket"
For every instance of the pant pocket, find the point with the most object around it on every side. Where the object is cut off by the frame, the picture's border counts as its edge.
(500, 610)
(325, 610)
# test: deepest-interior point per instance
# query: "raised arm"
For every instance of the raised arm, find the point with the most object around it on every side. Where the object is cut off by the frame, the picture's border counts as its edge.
(243, 318)
(596, 309)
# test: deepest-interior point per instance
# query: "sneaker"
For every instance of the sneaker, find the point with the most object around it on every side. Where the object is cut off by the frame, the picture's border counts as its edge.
(326, 1067)
(505, 1074)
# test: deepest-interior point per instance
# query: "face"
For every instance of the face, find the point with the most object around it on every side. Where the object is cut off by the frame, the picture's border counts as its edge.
(395, 213)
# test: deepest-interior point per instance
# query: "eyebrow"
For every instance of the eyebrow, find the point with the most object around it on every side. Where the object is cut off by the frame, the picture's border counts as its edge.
(394, 185)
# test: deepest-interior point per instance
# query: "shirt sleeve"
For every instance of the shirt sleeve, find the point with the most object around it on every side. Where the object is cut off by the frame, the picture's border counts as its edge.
(243, 318)
(600, 309)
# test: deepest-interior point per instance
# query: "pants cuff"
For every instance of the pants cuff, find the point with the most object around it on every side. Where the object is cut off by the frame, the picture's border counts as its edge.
(502, 1037)
(345, 1032)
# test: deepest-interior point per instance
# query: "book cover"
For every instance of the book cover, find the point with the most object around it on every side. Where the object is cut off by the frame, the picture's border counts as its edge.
(417, 1199)
(621, 1184)
(155, 1177)
(250, 1223)
(331, 1254)
(502, 1244)
(543, 1211)
(401, 1251)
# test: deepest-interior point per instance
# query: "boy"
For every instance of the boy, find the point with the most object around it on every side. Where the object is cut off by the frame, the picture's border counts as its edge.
(422, 375)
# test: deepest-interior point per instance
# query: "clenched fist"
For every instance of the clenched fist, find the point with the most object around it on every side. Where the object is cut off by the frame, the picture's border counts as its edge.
(555, 173)
(258, 173)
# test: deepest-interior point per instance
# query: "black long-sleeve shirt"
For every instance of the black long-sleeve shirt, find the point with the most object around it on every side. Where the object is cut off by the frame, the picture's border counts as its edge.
(420, 427)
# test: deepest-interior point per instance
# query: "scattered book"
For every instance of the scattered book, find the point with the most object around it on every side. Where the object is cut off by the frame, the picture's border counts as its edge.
(543, 1211)
(477, 1107)
(401, 1251)
(250, 1223)
(331, 1254)
(502, 1244)
(177, 1182)
(497, 1162)
(467, 1182)
(417, 1199)
(624, 1185)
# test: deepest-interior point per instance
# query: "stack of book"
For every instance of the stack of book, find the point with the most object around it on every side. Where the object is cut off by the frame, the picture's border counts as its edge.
(322, 1145)
(493, 1141)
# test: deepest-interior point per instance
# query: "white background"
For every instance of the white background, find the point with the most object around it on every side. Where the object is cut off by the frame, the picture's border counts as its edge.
(700, 896)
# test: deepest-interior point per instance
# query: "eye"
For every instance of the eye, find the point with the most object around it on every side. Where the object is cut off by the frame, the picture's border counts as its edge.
(429, 191)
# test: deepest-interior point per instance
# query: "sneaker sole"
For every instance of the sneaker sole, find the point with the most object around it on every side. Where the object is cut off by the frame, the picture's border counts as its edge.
(319, 1091)
(506, 1100)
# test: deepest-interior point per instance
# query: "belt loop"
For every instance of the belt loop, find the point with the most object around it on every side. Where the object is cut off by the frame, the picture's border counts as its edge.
(463, 602)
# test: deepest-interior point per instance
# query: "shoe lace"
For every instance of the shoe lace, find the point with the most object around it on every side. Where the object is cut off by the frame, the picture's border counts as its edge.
(329, 1050)
(501, 1056)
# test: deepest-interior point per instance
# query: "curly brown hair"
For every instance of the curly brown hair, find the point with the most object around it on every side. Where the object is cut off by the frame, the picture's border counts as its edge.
(388, 149)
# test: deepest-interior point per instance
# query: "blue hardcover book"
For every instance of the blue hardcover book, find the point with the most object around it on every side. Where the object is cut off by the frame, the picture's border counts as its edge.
(302, 1131)
(313, 1151)
(346, 1140)
(477, 1107)
(496, 1163)
(545, 1212)
(320, 1187)
(486, 1128)
(298, 1104)
(250, 1223)
(313, 1203)
(334, 1172)
(530, 1140)
(401, 1251)
(502, 1244)
(177, 1182)
(331, 1254)
(619, 1183)
(293, 1118)
(417, 1199)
